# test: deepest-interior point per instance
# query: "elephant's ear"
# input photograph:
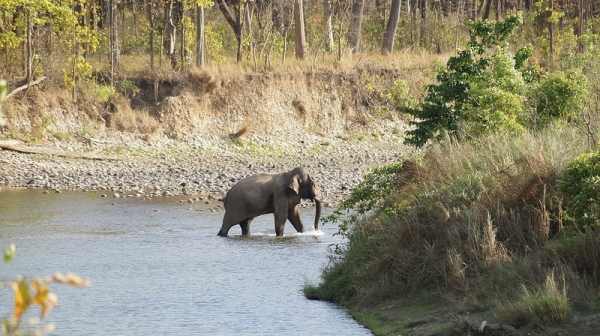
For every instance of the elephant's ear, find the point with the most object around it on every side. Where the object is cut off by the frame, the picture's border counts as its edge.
(294, 184)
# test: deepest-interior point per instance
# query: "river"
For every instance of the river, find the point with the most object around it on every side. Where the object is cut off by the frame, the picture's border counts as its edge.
(158, 268)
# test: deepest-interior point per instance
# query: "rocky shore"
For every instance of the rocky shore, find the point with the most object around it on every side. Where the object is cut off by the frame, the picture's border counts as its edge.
(199, 170)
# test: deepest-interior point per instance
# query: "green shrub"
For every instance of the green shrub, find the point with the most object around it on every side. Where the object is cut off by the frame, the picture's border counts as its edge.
(399, 96)
(480, 90)
(445, 220)
(580, 184)
(560, 95)
(128, 87)
(104, 93)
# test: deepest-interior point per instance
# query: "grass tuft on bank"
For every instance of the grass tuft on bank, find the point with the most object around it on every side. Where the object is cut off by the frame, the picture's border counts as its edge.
(482, 222)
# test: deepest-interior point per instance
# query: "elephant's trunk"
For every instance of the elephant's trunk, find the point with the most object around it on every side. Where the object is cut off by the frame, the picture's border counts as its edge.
(317, 213)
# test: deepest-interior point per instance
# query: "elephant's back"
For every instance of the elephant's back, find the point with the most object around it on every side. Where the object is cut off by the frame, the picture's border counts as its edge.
(254, 191)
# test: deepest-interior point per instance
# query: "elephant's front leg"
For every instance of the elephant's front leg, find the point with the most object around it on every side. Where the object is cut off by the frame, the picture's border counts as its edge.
(280, 218)
(294, 217)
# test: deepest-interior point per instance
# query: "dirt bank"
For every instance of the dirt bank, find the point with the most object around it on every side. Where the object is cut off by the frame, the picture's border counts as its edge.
(197, 133)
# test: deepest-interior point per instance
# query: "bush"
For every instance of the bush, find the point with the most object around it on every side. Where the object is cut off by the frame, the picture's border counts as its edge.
(580, 184)
(445, 220)
(399, 96)
(481, 89)
(561, 95)
(104, 93)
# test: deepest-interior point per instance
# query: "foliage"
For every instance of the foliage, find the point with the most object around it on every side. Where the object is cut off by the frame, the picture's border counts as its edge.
(34, 292)
(367, 196)
(449, 219)
(213, 40)
(581, 185)
(399, 95)
(128, 87)
(104, 93)
(560, 95)
(480, 89)
(3, 90)
(65, 22)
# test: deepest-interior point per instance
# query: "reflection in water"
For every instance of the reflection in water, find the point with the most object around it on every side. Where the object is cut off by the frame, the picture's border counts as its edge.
(160, 269)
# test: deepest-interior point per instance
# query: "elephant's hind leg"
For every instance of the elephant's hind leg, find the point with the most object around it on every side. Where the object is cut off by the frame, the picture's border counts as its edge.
(245, 225)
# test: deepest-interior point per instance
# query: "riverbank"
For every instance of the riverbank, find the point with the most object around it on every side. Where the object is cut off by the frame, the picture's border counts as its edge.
(455, 243)
(195, 134)
(200, 169)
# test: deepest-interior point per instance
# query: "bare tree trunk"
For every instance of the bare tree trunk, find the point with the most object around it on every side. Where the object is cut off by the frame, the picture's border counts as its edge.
(340, 26)
(551, 36)
(182, 44)
(235, 23)
(413, 21)
(113, 40)
(299, 28)
(423, 25)
(328, 11)
(239, 34)
(200, 61)
(356, 25)
(170, 33)
(498, 10)
(487, 8)
(392, 25)
(580, 25)
(29, 49)
(249, 14)
(151, 23)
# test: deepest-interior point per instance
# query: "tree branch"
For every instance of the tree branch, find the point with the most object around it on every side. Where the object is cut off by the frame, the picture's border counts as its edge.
(227, 14)
(26, 86)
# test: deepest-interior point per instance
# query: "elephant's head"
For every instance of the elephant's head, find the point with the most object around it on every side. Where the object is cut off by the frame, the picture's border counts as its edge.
(303, 185)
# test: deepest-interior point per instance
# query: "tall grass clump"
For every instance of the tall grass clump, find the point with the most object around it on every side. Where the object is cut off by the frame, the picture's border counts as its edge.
(547, 304)
(463, 217)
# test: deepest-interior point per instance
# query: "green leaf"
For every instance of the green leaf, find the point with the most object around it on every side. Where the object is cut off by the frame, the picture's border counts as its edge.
(9, 253)
(3, 89)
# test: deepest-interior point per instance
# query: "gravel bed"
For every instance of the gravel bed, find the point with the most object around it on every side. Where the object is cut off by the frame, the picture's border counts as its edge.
(199, 170)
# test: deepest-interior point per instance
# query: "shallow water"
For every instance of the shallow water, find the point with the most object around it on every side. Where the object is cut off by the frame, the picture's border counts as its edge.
(158, 268)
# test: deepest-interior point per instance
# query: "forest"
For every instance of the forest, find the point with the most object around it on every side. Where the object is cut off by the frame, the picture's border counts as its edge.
(74, 40)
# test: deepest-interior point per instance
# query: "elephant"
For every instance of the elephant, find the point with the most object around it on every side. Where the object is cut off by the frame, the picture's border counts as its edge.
(279, 194)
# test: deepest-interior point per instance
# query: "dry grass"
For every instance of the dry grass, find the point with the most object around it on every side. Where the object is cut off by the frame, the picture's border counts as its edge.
(467, 222)
(139, 65)
(126, 119)
(547, 304)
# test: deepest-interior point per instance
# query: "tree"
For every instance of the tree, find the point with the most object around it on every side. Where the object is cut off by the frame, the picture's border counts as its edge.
(328, 12)
(235, 22)
(299, 25)
(113, 45)
(200, 35)
(150, 9)
(171, 20)
(392, 25)
(355, 30)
